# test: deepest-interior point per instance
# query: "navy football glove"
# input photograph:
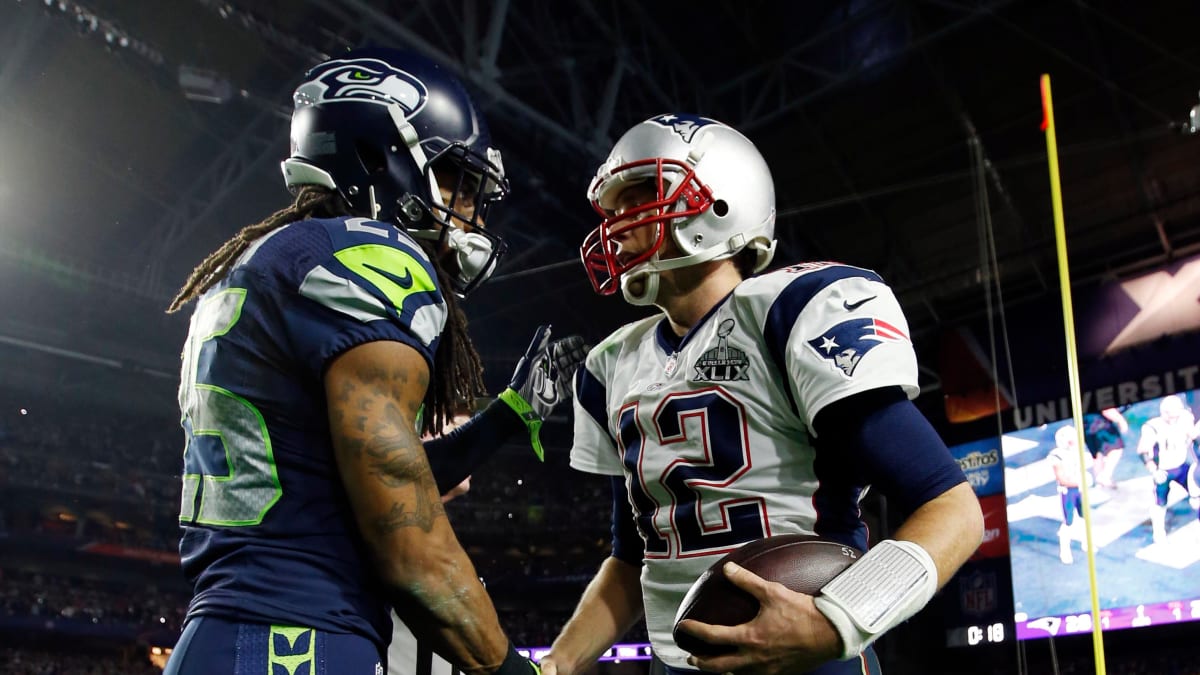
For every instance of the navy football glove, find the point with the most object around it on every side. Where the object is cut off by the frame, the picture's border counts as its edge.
(544, 378)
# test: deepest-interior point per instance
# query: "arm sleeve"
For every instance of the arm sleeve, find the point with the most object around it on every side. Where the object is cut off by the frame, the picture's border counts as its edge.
(627, 544)
(456, 455)
(882, 436)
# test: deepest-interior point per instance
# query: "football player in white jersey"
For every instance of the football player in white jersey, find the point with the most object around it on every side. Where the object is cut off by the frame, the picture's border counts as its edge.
(750, 406)
(1166, 449)
(1064, 460)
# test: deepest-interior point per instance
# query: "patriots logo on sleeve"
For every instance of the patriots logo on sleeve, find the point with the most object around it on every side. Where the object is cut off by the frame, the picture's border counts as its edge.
(847, 342)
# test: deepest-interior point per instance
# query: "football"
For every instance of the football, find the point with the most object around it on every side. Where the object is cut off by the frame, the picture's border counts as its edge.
(801, 562)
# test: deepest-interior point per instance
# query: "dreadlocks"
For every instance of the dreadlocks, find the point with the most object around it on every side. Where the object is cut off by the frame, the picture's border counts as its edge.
(309, 200)
(457, 370)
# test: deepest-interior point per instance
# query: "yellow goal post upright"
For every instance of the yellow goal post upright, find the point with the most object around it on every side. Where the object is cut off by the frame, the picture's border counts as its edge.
(1064, 282)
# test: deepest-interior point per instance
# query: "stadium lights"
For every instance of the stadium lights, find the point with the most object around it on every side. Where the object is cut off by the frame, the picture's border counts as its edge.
(204, 85)
(88, 22)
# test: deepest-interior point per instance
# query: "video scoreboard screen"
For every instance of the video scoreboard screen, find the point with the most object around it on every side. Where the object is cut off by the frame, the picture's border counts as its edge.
(1140, 464)
(1030, 579)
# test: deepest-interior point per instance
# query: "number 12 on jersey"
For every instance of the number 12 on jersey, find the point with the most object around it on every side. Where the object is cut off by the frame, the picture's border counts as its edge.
(705, 431)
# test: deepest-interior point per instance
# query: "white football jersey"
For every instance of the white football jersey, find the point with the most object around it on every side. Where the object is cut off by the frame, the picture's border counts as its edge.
(1068, 459)
(1173, 439)
(713, 437)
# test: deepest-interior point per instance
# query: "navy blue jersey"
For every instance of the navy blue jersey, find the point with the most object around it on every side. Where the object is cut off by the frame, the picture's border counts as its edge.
(268, 532)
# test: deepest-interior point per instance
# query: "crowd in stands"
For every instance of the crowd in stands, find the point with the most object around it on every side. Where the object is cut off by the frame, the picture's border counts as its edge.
(525, 525)
(538, 629)
(42, 467)
(518, 496)
(147, 444)
(27, 593)
(534, 530)
(139, 462)
(22, 661)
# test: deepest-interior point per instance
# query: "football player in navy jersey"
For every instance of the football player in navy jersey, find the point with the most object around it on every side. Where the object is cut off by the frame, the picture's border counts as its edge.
(323, 341)
(750, 406)
(1104, 435)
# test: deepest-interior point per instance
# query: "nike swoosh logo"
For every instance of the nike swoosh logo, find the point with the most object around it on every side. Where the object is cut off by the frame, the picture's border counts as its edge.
(851, 306)
(405, 281)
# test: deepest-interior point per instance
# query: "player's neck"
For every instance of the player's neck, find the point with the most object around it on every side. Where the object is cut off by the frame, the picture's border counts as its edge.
(689, 294)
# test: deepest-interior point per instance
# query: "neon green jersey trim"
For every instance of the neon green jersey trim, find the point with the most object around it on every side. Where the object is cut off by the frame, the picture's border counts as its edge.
(397, 274)
(293, 659)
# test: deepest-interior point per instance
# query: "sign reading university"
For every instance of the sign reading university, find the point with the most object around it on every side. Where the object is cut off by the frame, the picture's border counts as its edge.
(1123, 393)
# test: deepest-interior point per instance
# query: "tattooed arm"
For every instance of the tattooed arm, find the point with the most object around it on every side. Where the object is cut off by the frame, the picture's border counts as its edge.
(374, 392)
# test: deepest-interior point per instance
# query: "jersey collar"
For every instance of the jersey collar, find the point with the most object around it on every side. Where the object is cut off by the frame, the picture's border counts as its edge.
(671, 343)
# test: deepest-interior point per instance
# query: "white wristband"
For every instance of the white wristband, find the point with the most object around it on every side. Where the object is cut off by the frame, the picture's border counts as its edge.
(886, 586)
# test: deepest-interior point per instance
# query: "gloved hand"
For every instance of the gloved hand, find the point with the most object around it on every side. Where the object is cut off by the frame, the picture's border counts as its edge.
(544, 378)
(515, 664)
(1160, 477)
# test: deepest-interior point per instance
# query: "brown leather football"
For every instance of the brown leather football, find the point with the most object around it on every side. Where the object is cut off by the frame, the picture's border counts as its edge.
(801, 562)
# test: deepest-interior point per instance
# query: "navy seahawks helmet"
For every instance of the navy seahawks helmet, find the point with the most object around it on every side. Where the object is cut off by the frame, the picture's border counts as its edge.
(383, 127)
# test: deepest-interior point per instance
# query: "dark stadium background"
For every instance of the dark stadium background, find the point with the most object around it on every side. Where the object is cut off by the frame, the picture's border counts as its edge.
(136, 136)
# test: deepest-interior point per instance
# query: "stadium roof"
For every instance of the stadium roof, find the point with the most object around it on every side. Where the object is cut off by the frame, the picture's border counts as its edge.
(137, 136)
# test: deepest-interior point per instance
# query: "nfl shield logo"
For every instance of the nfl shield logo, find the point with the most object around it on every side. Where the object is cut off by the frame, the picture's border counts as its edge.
(977, 593)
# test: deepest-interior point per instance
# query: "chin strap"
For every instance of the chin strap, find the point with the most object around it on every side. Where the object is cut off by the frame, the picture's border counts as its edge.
(648, 271)
(649, 279)
(413, 142)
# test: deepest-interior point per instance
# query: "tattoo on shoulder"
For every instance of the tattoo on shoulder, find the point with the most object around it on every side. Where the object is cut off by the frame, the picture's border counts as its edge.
(370, 425)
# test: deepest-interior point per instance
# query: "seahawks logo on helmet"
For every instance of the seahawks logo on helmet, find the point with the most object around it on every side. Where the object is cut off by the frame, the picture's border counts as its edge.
(684, 125)
(362, 81)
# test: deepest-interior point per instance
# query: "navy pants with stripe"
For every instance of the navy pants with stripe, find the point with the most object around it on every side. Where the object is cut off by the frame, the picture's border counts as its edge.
(212, 646)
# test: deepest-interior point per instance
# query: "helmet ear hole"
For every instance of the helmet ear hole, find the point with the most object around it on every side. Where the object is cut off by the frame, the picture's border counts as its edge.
(371, 157)
(720, 208)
